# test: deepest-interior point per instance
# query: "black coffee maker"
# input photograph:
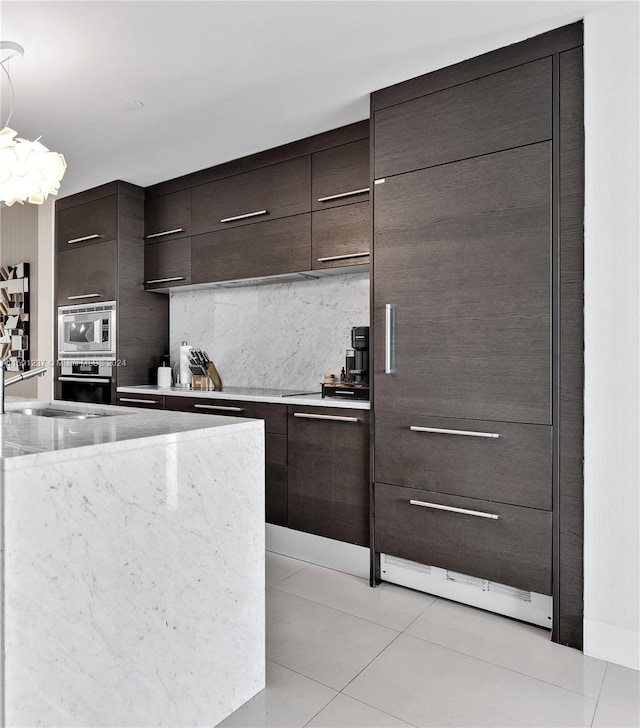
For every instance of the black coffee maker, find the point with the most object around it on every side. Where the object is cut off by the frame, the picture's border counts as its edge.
(357, 368)
(354, 383)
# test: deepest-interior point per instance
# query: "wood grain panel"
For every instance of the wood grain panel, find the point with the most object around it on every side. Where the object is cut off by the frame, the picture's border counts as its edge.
(463, 251)
(514, 468)
(280, 189)
(569, 590)
(169, 212)
(274, 415)
(341, 231)
(339, 170)
(99, 217)
(507, 109)
(248, 251)
(276, 501)
(329, 474)
(515, 549)
(168, 259)
(86, 270)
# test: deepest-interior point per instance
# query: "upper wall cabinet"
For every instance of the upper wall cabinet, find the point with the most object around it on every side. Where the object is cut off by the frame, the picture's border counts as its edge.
(267, 193)
(94, 221)
(167, 217)
(340, 175)
(505, 110)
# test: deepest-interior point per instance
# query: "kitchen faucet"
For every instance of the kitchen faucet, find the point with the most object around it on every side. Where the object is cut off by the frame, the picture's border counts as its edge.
(22, 376)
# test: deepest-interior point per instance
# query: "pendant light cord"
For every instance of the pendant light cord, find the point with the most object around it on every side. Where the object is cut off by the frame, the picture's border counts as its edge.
(12, 94)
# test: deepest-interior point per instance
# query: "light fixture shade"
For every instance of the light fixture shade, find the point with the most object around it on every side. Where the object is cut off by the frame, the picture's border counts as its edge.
(29, 172)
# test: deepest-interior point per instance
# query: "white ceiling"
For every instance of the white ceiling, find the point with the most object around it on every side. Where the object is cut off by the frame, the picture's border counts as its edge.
(220, 80)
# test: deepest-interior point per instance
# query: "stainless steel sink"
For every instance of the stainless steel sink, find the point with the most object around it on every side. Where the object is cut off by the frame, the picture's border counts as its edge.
(63, 413)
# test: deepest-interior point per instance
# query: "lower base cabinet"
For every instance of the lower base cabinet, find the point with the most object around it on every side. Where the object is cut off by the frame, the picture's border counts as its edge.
(329, 472)
(495, 541)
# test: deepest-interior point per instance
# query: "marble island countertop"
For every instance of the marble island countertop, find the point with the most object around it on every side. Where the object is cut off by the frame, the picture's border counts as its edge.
(250, 394)
(27, 439)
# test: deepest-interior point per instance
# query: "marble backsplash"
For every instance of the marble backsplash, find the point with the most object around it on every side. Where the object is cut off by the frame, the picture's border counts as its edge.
(282, 335)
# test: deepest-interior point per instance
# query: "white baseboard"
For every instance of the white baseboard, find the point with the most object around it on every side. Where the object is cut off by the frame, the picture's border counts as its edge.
(318, 550)
(611, 643)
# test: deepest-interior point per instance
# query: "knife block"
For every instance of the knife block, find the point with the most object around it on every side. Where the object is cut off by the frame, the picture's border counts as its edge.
(211, 381)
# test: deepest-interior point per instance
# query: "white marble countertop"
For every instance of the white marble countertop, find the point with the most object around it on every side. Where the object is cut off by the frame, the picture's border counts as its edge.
(247, 394)
(31, 439)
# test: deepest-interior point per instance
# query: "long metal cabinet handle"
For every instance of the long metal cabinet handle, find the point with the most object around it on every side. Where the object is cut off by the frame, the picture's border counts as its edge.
(441, 431)
(85, 295)
(218, 407)
(92, 380)
(333, 418)
(389, 338)
(344, 257)
(95, 236)
(164, 232)
(165, 280)
(138, 401)
(342, 195)
(245, 216)
(466, 511)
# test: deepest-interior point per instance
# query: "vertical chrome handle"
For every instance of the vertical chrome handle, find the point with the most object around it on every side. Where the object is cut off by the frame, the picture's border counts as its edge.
(390, 338)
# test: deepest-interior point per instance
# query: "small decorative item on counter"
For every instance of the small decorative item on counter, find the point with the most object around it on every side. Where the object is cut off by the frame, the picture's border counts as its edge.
(164, 376)
(343, 375)
(329, 378)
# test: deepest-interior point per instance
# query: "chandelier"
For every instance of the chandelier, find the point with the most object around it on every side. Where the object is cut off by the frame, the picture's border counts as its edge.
(29, 172)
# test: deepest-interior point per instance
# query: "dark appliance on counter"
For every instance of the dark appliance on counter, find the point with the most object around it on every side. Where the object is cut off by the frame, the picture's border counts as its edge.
(356, 383)
(86, 381)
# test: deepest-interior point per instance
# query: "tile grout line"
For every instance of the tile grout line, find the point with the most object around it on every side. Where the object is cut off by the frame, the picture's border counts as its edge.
(315, 715)
(502, 667)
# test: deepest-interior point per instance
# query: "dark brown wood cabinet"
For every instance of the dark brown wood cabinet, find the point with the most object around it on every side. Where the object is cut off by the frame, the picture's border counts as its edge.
(502, 543)
(268, 248)
(87, 274)
(145, 401)
(267, 193)
(167, 217)
(478, 212)
(329, 472)
(500, 111)
(111, 268)
(341, 236)
(504, 462)
(167, 263)
(91, 220)
(340, 175)
(463, 253)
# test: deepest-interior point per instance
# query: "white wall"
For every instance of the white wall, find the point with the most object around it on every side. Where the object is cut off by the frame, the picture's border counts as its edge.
(612, 328)
(281, 335)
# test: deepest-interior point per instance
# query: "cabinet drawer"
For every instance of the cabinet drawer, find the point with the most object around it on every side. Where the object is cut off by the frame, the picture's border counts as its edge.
(276, 495)
(268, 248)
(329, 472)
(512, 468)
(276, 191)
(505, 110)
(340, 176)
(341, 236)
(513, 549)
(274, 415)
(87, 274)
(167, 263)
(167, 217)
(146, 401)
(87, 224)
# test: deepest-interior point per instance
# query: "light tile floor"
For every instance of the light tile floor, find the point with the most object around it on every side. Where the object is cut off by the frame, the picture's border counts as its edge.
(343, 655)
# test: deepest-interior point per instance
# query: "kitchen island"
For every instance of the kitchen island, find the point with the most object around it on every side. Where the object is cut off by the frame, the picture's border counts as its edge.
(133, 561)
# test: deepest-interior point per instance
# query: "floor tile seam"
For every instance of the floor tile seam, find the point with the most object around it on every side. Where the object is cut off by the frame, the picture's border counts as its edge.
(385, 712)
(426, 609)
(619, 707)
(604, 676)
(287, 577)
(315, 715)
(340, 611)
(301, 674)
(502, 667)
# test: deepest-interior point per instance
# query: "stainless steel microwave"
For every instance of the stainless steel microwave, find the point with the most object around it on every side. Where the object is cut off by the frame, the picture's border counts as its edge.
(88, 330)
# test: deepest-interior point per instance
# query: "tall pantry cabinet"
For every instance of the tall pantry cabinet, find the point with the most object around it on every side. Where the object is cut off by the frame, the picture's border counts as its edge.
(477, 306)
